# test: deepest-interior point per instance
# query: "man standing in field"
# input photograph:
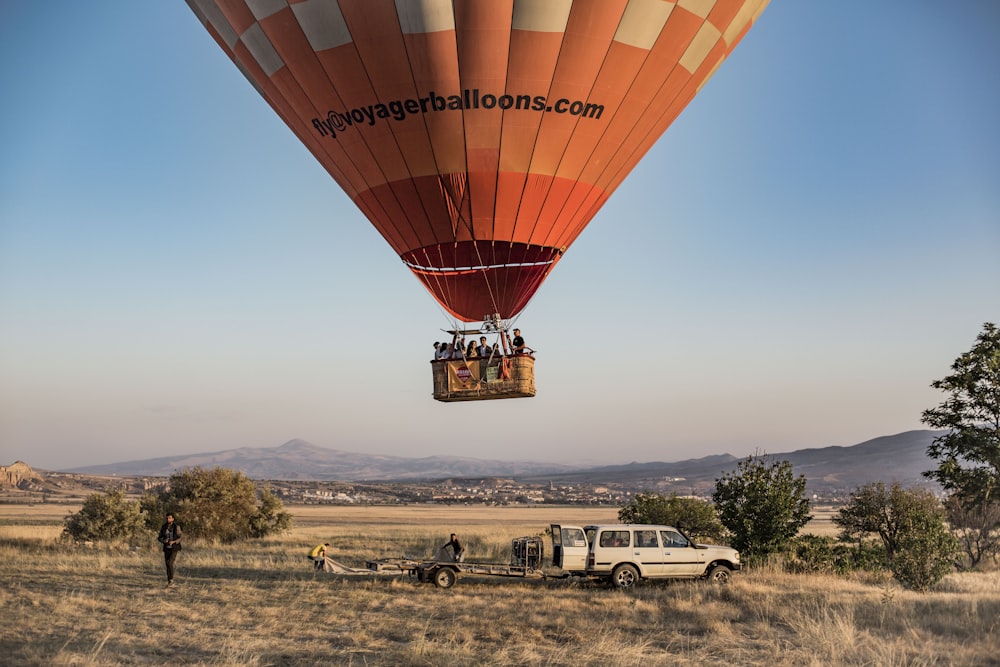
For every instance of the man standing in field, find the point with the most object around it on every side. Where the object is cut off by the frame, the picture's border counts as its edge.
(170, 538)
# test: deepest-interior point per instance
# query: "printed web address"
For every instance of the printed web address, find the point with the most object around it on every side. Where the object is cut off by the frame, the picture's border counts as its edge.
(399, 110)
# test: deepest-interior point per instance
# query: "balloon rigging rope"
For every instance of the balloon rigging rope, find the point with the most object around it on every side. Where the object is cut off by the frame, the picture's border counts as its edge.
(468, 226)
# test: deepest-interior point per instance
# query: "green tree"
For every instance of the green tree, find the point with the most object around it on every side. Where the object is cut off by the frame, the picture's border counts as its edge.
(762, 504)
(695, 517)
(105, 516)
(919, 550)
(218, 504)
(968, 453)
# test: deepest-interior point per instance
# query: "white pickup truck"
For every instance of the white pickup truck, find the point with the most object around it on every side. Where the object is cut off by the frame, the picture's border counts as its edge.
(625, 553)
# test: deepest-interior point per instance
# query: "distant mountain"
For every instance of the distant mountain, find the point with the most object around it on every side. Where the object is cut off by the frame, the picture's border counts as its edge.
(301, 460)
(900, 457)
(893, 458)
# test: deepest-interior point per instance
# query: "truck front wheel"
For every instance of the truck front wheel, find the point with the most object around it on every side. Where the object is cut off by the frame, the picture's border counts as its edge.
(720, 574)
(624, 576)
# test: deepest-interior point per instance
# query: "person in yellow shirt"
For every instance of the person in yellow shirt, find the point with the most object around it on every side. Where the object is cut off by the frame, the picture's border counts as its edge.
(318, 556)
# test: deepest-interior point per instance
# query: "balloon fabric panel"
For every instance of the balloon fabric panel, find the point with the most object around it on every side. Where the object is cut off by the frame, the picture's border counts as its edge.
(479, 138)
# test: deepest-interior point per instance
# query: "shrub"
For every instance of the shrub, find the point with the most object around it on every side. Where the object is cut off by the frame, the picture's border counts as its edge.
(105, 517)
(919, 550)
(217, 504)
(827, 555)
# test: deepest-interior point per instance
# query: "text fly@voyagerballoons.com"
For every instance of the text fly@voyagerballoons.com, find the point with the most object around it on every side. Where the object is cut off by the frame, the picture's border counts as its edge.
(399, 110)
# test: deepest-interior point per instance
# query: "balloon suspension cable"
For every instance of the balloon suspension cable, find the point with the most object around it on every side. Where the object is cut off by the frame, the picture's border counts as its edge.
(489, 287)
(467, 224)
(492, 322)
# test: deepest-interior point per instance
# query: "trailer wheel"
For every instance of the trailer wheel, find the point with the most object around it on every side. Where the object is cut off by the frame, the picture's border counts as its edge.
(445, 577)
(624, 576)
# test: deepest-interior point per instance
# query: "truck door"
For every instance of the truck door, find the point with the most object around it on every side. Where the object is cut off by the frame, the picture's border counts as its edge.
(646, 552)
(680, 558)
(569, 548)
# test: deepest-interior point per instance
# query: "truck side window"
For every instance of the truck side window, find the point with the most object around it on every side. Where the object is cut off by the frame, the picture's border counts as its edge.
(574, 538)
(671, 538)
(615, 538)
(646, 538)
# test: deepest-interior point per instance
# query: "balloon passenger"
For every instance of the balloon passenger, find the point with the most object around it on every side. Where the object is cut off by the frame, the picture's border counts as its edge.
(518, 342)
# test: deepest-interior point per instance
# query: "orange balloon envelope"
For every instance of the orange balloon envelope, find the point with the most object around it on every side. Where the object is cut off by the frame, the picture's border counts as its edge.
(478, 136)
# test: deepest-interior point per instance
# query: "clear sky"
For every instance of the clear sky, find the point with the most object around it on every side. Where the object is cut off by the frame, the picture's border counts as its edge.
(812, 243)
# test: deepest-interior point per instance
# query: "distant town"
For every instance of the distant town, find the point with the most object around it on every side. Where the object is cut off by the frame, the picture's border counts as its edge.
(21, 484)
(26, 485)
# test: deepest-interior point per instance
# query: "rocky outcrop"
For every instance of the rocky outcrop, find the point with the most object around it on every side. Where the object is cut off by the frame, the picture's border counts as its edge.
(18, 475)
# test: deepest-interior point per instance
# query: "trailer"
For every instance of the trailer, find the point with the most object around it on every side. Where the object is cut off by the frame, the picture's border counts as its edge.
(526, 562)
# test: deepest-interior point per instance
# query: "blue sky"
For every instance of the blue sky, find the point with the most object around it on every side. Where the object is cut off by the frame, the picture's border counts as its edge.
(812, 243)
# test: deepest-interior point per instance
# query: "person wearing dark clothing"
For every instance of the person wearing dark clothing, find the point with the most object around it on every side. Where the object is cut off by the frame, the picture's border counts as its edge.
(170, 538)
(458, 552)
(518, 342)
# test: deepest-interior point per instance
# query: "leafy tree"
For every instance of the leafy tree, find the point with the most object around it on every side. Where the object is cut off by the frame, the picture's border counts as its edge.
(218, 504)
(977, 527)
(919, 550)
(695, 517)
(762, 504)
(105, 516)
(968, 454)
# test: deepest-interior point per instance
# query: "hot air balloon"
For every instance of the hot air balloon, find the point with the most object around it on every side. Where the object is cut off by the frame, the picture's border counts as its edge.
(478, 136)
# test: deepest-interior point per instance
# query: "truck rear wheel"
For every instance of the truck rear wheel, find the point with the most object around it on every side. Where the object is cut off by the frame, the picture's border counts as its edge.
(445, 577)
(624, 576)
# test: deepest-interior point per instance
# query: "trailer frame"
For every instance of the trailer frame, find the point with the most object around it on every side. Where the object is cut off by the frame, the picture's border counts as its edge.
(527, 557)
(444, 574)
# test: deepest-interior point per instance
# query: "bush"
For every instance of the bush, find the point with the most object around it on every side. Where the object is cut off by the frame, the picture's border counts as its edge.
(217, 504)
(827, 555)
(926, 554)
(105, 517)
(919, 550)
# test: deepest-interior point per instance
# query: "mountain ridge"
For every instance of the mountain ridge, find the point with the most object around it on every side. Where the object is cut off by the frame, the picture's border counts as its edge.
(902, 457)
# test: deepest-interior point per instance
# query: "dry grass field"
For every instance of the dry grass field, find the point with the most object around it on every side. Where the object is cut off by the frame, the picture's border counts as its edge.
(260, 603)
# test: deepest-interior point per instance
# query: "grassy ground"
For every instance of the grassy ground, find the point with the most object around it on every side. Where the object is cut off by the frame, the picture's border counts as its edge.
(261, 604)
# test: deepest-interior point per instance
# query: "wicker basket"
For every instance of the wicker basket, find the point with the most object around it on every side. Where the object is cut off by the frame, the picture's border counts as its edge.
(484, 379)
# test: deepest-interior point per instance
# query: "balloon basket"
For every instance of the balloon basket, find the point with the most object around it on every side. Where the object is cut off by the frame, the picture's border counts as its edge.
(484, 379)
